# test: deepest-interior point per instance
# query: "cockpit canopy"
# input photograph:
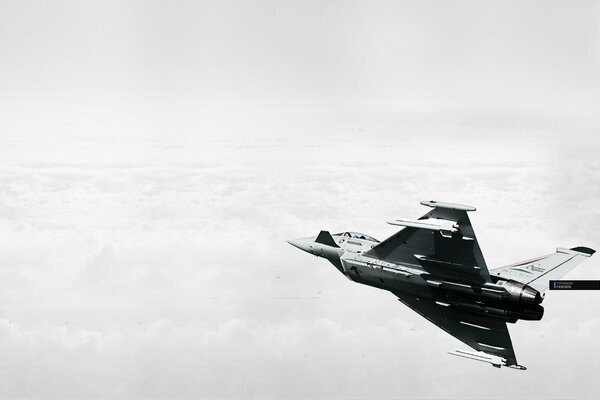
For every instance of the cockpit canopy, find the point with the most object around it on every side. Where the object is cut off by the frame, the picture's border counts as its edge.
(357, 235)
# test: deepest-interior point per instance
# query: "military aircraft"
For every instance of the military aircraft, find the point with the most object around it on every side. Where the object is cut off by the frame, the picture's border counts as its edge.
(434, 266)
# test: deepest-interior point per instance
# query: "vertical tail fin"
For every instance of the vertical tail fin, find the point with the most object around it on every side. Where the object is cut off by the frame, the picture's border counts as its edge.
(537, 272)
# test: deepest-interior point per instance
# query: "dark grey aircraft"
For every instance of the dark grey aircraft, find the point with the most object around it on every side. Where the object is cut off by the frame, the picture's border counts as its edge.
(434, 265)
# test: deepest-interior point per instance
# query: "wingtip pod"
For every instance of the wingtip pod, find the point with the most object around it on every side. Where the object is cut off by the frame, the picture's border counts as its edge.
(585, 250)
(453, 206)
(485, 357)
(479, 356)
(580, 251)
(519, 367)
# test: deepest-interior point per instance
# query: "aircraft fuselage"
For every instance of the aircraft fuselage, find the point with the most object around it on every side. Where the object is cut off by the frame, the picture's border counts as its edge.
(503, 299)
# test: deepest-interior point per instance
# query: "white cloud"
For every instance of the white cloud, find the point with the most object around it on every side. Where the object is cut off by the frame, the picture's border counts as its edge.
(172, 277)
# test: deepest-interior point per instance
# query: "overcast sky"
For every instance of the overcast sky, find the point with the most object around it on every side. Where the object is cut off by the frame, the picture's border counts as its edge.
(155, 156)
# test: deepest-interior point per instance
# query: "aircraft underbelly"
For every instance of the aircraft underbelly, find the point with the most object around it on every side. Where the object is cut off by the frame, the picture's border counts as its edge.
(470, 298)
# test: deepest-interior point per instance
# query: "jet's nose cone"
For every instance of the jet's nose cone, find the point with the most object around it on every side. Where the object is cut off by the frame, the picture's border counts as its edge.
(302, 243)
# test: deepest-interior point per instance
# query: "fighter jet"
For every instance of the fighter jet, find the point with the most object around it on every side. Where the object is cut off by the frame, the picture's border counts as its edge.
(434, 266)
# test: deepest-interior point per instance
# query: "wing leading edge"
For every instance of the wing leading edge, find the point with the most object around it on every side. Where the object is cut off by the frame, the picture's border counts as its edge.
(447, 250)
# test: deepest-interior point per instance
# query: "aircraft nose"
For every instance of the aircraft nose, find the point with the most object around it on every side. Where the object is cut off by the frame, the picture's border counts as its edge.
(302, 243)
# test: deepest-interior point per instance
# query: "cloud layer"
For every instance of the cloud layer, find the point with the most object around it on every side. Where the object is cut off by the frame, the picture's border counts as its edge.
(157, 266)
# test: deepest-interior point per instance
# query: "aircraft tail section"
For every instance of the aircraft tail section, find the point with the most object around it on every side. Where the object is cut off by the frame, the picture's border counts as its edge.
(537, 272)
